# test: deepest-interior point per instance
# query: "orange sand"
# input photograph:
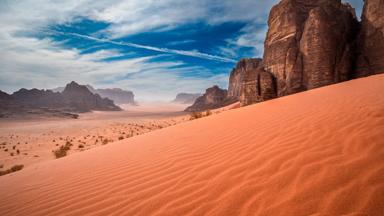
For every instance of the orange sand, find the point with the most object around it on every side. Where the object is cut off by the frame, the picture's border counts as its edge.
(315, 153)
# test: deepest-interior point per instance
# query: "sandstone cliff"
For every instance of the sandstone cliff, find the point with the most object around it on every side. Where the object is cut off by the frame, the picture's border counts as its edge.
(257, 86)
(237, 76)
(309, 44)
(371, 39)
(213, 98)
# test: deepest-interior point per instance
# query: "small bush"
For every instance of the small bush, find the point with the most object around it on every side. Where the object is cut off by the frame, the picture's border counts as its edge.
(196, 115)
(105, 141)
(208, 113)
(121, 137)
(62, 151)
(11, 170)
(81, 146)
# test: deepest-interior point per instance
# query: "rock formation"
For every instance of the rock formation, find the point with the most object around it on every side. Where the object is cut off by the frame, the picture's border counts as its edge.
(309, 44)
(186, 98)
(119, 96)
(257, 86)
(75, 98)
(213, 98)
(237, 75)
(371, 39)
(80, 99)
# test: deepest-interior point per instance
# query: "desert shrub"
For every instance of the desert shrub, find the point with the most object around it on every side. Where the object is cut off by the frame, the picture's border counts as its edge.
(208, 113)
(81, 146)
(121, 137)
(105, 141)
(62, 151)
(195, 115)
(12, 169)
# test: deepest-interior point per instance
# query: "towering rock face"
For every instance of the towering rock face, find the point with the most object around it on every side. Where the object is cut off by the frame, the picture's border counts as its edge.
(257, 86)
(309, 44)
(237, 76)
(371, 39)
(213, 98)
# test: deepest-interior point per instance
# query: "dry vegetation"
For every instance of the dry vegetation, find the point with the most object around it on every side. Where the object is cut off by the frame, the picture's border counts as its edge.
(197, 115)
(11, 170)
(62, 151)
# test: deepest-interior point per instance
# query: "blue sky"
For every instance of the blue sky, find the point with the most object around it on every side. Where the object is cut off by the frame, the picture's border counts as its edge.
(156, 48)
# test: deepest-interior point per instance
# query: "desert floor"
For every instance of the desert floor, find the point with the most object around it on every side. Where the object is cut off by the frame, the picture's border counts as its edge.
(26, 142)
(320, 152)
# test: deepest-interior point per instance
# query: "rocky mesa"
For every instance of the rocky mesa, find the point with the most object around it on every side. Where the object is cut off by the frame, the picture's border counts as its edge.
(310, 44)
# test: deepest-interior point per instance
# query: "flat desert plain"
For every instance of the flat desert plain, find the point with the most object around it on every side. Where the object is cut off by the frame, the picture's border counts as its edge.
(319, 152)
(25, 142)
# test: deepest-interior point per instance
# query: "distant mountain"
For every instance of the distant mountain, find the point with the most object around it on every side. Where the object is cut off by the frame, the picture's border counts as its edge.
(213, 98)
(81, 99)
(74, 98)
(186, 98)
(119, 96)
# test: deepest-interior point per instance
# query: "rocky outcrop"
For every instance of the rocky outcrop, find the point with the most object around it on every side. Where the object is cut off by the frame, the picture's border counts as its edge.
(80, 99)
(257, 86)
(36, 98)
(371, 39)
(213, 98)
(119, 96)
(237, 75)
(309, 44)
(75, 98)
(186, 98)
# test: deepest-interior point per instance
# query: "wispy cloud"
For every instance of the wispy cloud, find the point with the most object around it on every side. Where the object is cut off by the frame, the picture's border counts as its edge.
(29, 61)
(152, 48)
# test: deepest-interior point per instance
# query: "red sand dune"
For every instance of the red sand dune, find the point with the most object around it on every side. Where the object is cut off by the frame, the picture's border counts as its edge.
(319, 152)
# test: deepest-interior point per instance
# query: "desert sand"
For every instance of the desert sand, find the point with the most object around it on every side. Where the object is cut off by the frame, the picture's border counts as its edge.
(319, 152)
(32, 140)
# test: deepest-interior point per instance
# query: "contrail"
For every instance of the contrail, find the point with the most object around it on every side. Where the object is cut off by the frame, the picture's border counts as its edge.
(157, 49)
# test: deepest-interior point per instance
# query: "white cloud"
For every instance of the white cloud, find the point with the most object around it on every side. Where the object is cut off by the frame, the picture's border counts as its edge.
(31, 62)
(192, 53)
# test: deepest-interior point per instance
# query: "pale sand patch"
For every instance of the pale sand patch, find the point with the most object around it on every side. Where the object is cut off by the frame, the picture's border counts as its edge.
(31, 141)
(319, 152)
